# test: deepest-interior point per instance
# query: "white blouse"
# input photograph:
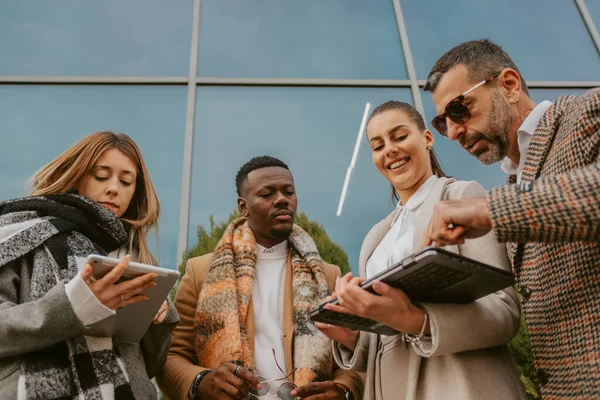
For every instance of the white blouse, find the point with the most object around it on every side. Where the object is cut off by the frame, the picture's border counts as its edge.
(398, 242)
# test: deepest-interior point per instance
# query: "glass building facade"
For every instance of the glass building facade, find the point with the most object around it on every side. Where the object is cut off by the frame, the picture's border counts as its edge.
(204, 85)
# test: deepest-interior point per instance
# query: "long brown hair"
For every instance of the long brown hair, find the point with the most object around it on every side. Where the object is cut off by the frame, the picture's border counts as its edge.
(65, 172)
(417, 118)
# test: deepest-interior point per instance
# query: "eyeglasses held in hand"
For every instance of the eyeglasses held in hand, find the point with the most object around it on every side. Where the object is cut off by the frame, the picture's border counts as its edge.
(283, 390)
(457, 110)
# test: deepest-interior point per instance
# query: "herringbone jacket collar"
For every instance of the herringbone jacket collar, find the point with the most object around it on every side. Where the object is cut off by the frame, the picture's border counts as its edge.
(540, 145)
(544, 136)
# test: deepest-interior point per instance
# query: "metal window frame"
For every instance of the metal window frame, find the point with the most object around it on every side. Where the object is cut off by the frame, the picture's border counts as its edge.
(188, 148)
(589, 23)
(408, 60)
(193, 82)
(289, 82)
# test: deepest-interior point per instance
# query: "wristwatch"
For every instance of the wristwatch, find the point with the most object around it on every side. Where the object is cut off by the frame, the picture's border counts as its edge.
(347, 392)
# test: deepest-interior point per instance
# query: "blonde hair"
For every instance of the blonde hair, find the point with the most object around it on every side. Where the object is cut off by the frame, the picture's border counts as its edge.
(65, 172)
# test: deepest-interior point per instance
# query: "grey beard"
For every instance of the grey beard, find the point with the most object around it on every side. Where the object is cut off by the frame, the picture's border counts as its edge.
(497, 127)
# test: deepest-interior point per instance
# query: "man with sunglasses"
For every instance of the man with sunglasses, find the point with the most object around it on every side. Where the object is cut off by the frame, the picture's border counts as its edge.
(549, 212)
(246, 306)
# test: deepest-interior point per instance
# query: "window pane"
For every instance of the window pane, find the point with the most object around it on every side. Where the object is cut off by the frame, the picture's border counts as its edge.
(539, 95)
(300, 39)
(593, 7)
(313, 130)
(40, 122)
(462, 165)
(95, 38)
(546, 38)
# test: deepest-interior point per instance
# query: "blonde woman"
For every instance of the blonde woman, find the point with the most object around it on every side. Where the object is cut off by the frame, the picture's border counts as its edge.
(443, 351)
(96, 197)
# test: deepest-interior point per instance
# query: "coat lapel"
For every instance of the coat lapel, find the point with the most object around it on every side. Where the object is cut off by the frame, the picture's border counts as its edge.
(542, 140)
(374, 237)
(426, 211)
(538, 150)
(288, 316)
(378, 232)
(511, 247)
(250, 325)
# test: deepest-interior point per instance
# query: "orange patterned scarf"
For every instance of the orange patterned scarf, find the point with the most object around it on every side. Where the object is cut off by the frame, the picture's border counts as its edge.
(220, 322)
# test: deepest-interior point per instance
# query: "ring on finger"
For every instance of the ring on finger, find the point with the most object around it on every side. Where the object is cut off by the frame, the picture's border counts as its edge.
(122, 299)
(235, 370)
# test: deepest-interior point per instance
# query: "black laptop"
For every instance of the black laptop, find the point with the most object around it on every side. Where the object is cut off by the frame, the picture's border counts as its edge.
(432, 275)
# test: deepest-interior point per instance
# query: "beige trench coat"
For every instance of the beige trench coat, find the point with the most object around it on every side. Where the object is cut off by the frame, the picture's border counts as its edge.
(467, 357)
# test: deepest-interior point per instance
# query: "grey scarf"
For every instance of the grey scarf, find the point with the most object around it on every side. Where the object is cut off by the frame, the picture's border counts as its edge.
(51, 232)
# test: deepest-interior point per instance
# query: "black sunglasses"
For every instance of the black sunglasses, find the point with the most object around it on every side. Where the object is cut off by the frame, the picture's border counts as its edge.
(457, 110)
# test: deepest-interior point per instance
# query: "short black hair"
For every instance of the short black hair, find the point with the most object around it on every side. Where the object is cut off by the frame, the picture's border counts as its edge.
(482, 58)
(254, 164)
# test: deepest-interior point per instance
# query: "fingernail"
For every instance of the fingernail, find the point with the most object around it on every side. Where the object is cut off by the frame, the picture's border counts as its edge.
(154, 276)
(377, 285)
(294, 393)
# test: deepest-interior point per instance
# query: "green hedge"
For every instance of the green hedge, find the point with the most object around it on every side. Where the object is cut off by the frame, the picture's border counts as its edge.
(521, 352)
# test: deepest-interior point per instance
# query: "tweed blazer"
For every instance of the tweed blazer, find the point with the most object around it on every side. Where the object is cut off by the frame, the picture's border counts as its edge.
(467, 357)
(552, 219)
(181, 366)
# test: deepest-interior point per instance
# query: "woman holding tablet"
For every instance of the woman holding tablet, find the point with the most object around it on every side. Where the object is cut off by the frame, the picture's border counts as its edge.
(95, 198)
(445, 351)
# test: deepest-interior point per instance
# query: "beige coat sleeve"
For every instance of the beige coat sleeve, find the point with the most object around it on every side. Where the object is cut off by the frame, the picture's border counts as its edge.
(490, 321)
(353, 380)
(356, 360)
(181, 366)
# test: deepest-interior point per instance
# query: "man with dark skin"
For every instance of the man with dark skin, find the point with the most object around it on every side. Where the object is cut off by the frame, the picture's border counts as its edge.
(273, 327)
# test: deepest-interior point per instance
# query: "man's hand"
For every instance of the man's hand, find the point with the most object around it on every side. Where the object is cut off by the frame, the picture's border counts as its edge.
(319, 391)
(456, 220)
(223, 384)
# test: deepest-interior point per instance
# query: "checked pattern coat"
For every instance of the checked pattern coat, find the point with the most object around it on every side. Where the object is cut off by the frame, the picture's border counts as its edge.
(552, 223)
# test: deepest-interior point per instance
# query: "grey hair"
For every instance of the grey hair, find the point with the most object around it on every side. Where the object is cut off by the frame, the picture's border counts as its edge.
(482, 58)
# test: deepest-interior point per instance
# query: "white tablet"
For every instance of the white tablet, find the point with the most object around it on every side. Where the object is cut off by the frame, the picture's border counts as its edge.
(130, 323)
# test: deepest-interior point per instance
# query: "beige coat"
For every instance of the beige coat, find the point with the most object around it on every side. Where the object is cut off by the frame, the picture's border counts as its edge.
(181, 366)
(467, 357)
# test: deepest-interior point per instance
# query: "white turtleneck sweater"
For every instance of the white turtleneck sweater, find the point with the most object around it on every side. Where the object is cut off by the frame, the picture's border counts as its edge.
(267, 296)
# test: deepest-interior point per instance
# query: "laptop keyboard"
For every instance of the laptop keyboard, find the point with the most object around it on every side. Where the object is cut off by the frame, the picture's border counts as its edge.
(351, 319)
(424, 280)
(430, 280)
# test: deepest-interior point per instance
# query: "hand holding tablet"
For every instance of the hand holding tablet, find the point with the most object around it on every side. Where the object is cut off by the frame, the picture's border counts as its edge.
(136, 291)
(110, 288)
